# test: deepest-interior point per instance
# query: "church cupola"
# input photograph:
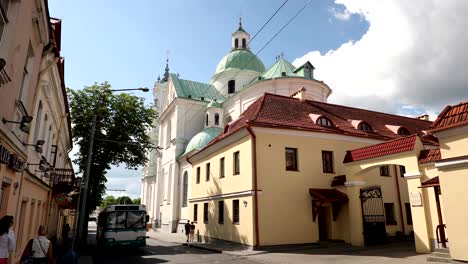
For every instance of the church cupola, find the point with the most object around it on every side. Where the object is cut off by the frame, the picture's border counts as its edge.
(213, 115)
(240, 38)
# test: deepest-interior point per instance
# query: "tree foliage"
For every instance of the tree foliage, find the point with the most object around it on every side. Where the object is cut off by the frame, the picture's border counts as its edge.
(109, 200)
(136, 201)
(124, 200)
(120, 118)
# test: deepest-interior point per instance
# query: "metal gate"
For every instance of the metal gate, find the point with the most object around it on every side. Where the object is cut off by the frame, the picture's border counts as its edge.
(373, 216)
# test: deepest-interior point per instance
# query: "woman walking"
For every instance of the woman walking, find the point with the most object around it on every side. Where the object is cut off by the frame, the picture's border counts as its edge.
(39, 248)
(7, 238)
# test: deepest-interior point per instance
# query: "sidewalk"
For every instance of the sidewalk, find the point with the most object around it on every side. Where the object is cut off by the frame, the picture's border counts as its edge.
(220, 246)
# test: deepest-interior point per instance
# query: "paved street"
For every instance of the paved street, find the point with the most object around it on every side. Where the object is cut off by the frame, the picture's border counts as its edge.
(165, 251)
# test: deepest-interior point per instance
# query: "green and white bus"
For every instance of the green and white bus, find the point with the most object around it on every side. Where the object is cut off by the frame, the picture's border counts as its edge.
(122, 225)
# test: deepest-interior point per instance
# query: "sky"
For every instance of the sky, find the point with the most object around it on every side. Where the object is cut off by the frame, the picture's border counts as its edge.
(396, 56)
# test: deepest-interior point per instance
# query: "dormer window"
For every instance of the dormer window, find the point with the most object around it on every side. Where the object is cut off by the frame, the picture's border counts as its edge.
(231, 86)
(364, 127)
(236, 43)
(323, 121)
(244, 43)
(216, 119)
(403, 131)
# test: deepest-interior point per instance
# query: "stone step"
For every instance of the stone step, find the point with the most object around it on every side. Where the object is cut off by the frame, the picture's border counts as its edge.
(442, 250)
(438, 259)
(440, 255)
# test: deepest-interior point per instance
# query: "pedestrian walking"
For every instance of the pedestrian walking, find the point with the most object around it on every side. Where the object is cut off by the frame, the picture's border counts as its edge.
(69, 256)
(7, 238)
(192, 232)
(39, 248)
(187, 230)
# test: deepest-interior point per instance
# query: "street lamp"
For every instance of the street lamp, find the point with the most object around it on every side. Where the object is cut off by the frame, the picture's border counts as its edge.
(84, 187)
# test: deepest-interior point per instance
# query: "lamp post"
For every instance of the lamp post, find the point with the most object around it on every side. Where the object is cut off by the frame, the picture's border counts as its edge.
(84, 186)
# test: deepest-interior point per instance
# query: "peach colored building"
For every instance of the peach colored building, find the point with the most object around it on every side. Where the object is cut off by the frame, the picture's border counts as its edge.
(35, 134)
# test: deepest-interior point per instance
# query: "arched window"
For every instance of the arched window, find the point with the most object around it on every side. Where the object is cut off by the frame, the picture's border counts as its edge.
(38, 122)
(403, 131)
(206, 119)
(216, 119)
(236, 43)
(364, 127)
(44, 126)
(231, 86)
(244, 43)
(323, 121)
(184, 189)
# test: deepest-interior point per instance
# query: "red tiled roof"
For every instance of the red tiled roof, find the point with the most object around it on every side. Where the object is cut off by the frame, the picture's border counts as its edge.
(276, 111)
(429, 155)
(328, 195)
(382, 149)
(451, 116)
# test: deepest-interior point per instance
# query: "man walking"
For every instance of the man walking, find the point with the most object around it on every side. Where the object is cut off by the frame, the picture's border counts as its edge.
(187, 229)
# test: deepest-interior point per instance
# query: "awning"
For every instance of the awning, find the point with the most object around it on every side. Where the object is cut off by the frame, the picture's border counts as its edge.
(432, 182)
(320, 196)
(328, 195)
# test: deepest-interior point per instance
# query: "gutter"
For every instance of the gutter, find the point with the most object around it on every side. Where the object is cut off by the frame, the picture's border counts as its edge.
(254, 179)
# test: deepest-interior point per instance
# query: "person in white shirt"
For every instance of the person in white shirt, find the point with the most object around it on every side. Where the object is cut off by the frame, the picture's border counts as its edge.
(7, 238)
(39, 248)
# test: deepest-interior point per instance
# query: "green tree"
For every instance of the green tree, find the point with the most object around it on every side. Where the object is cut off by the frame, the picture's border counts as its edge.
(136, 201)
(124, 200)
(109, 200)
(120, 118)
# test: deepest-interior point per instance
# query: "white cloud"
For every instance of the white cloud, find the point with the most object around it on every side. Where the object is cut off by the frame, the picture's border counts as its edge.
(340, 15)
(413, 54)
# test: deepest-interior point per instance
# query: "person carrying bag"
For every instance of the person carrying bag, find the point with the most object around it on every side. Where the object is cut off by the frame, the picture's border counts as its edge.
(38, 250)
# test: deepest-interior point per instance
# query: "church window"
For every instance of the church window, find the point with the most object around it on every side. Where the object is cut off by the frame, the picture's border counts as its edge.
(216, 119)
(323, 121)
(244, 43)
(206, 119)
(185, 190)
(236, 43)
(403, 131)
(364, 126)
(168, 134)
(231, 86)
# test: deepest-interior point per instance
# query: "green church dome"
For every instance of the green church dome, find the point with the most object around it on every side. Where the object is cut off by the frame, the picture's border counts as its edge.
(240, 59)
(202, 139)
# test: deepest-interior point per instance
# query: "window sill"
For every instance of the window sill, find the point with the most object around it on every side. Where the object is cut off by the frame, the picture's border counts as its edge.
(221, 223)
(222, 177)
(234, 174)
(296, 170)
(329, 172)
(393, 223)
(235, 223)
(205, 222)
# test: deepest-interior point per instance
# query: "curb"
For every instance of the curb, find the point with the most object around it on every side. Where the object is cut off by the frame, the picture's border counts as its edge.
(202, 247)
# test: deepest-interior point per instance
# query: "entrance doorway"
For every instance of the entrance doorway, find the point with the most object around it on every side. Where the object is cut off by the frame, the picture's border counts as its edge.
(373, 217)
(324, 223)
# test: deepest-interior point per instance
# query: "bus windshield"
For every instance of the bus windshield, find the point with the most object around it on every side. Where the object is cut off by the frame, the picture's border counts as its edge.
(131, 219)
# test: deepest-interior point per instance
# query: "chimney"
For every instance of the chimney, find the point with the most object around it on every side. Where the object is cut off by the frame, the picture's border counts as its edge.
(300, 94)
(424, 117)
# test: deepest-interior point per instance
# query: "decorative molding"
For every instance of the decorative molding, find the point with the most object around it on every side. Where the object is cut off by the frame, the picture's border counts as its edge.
(354, 183)
(414, 175)
(224, 196)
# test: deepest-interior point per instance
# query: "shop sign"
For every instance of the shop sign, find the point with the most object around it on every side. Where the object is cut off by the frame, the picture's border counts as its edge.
(415, 199)
(4, 155)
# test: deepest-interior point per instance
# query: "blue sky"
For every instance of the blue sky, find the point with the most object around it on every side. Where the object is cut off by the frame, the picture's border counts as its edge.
(127, 42)
(377, 55)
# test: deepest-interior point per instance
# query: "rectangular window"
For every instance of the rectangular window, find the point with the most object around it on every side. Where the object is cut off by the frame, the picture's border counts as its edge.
(198, 175)
(291, 159)
(390, 214)
(235, 211)
(409, 217)
(221, 168)
(236, 163)
(207, 172)
(220, 212)
(195, 213)
(205, 213)
(402, 171)
(327, 161)
(384, 171)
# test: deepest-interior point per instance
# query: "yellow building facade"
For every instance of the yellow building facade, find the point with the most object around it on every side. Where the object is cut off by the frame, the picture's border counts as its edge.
(292, 187)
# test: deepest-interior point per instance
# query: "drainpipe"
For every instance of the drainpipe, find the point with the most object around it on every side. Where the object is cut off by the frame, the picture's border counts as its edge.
(399, 199)
(254, 179)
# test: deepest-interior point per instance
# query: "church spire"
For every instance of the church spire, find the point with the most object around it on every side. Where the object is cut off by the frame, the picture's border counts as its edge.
(240, 38)
(240, 24)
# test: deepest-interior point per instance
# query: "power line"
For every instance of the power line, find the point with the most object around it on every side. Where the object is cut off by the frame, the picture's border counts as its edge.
(264, 46)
